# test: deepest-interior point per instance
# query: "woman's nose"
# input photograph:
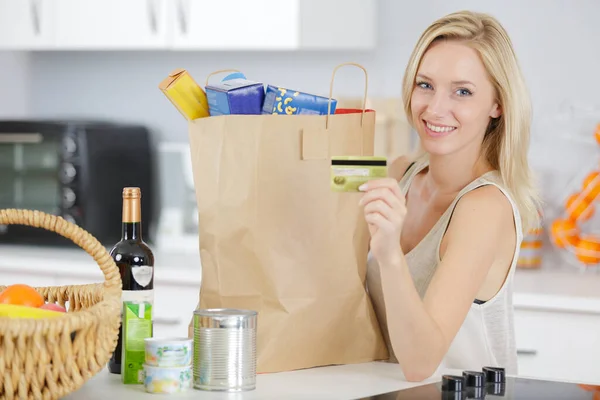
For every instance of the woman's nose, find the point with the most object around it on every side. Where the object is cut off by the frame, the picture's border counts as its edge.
(439, 104)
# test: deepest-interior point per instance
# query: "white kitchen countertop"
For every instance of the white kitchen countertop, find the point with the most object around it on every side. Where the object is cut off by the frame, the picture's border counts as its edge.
(551, 289)
(557, 290)
(354, 381)
(180, 267)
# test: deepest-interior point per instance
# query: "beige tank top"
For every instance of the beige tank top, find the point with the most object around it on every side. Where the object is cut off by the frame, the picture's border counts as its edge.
(486, 337)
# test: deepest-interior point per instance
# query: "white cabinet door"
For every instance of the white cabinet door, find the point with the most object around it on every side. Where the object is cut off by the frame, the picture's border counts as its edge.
(235, 24)
(558, 345)
(111, 24)
(338, 24)
(26, 24)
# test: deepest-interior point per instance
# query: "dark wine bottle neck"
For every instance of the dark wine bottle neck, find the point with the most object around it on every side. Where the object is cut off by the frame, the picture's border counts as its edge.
(132, 231)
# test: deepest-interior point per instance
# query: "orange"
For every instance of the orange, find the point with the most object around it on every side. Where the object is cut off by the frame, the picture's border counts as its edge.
(579, 208)
(564, 233)
(591, 184)
(23, 295)
(589, 388)
(588, 249)
(597, 134)
(531, 244)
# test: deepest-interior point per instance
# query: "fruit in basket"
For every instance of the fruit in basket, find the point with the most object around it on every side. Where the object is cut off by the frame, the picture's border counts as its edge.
(18, 311)
(592, 185)
(53, 307)
(21, 294)
(587, 249)
(579, 208)
(564, 233)
(31, 337)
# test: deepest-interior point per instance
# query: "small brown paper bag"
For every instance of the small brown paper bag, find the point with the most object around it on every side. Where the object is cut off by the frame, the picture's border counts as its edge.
(276, 239)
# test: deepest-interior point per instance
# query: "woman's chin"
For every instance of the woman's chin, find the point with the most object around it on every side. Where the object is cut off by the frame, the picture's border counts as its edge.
(435, 146)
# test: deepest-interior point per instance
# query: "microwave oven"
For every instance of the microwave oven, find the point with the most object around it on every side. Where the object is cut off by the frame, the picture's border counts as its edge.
(77, 170)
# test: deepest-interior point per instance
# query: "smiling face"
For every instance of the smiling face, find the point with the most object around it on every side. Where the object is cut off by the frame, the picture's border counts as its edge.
(453, 99)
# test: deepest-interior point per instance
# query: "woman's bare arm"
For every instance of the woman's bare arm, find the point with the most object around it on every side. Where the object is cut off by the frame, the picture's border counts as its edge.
(421, 331)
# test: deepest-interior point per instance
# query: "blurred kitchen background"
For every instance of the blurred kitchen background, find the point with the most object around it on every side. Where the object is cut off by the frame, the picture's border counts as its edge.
(102, 60)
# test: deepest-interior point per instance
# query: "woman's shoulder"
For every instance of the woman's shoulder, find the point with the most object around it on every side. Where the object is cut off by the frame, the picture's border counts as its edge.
(491, 201)
(492, 195)
(492, 188)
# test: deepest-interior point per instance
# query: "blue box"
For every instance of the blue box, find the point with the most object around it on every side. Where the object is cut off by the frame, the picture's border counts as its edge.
(291, 102)
(235, 96)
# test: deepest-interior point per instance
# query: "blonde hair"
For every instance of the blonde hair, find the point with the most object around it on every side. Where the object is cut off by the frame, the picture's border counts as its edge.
(506, 141)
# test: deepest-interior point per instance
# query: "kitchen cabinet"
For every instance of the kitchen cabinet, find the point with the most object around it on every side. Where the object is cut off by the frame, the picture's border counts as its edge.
(557, 344)
(335, 24)
(235, 24)
(26, 24)
(110, 24)
(273, 24)
(197, 25)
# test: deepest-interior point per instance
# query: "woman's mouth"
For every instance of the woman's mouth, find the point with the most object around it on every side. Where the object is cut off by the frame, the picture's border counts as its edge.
(438, 130)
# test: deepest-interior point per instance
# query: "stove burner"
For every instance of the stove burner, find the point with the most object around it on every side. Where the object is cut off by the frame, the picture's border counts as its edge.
(491, 383)
(494, 374)
(474, 378)
(453, 383)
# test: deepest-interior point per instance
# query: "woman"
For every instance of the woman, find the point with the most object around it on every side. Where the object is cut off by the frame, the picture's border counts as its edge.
(446, 227)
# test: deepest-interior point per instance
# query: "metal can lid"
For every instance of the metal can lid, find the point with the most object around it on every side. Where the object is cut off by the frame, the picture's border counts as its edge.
(225, 318)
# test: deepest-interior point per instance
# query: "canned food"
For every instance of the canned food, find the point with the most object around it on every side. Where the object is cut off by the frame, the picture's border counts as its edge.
(225, 349)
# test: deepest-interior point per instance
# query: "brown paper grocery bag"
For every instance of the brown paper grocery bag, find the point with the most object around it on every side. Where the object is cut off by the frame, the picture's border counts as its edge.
(276, 239)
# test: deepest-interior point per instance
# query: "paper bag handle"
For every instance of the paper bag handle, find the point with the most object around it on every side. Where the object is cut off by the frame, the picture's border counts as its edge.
(315, 142)
(218, 72)
(331, 91)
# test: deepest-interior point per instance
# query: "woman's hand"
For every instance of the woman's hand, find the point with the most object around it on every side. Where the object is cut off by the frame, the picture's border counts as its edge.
(385, 209)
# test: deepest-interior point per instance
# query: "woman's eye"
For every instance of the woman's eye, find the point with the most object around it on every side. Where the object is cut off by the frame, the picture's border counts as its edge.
(424, 85)
(464, 92)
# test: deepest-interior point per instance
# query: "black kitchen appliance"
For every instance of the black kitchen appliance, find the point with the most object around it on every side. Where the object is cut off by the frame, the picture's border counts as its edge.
(492, 384)
(75, 169)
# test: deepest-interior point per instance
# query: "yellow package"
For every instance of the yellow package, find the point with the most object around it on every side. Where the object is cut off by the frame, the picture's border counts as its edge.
(185, 94)
(349, 172)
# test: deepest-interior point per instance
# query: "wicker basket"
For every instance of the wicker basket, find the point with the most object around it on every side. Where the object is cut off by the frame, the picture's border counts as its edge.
(50, 358)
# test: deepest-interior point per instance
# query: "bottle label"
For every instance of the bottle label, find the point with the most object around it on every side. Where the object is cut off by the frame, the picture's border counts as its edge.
(142, 274)
(139, 296)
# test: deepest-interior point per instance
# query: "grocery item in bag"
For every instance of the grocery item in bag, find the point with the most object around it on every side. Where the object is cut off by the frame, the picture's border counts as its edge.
(185, 94)
(292, 102)
(274, 237)
(235, 96)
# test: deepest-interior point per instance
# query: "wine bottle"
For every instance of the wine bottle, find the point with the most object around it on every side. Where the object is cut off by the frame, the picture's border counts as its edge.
(135, 262)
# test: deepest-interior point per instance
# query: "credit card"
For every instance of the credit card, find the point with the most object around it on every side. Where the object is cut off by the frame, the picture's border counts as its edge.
(349, 172)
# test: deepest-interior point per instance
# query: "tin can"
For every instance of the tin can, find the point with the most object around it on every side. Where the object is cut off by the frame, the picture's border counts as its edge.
(225, 349)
